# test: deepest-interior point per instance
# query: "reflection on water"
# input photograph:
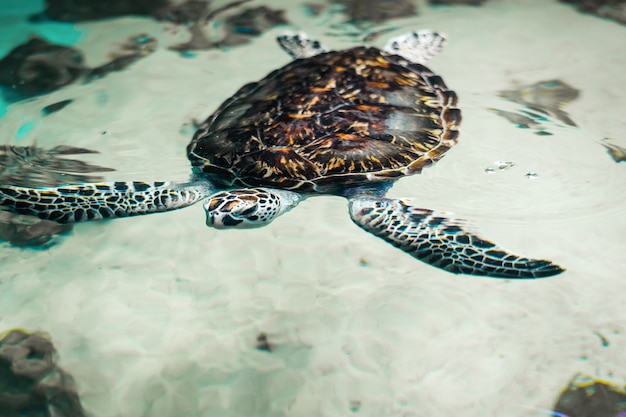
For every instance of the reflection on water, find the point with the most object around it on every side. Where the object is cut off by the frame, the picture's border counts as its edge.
(541, 101)
(32, 166)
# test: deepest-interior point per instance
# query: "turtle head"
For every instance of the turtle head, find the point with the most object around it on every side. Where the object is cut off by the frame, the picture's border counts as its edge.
(247, 208)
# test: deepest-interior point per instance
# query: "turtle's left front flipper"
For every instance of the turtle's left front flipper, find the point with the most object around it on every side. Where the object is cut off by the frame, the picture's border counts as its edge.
(440, 241)
(96, 201)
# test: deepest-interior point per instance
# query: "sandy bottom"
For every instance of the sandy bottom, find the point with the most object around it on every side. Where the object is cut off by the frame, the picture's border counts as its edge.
(158, 316)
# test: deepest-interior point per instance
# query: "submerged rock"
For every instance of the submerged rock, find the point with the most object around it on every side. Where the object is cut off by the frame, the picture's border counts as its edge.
(29, 231)
(179, 12)
(609, 9)
(263, 343)
(587, 397)
(457, 2)
(193, 11)
(38, 66)
(82, 10)
(194, 15)
(190, 13)
(362, 20)
(377, 11)
(238, 29)
(31, 382)
(255, 20)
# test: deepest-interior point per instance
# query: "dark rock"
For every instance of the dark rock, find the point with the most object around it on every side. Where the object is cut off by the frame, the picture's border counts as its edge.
(55, 107)
(192, 14)
(31, 383)
(38, 66)
(81, 10)
(241, 28)
(609, 9)
(457, 2)
(363, 20)
(262, 343)
(377, 11)
(185, 13)
(254, 21)
(195, 14)
(238, 29)
(29, 231)
(585, 397)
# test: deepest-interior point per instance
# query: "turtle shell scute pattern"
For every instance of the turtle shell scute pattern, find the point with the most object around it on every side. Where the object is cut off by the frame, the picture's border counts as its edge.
(325, 122)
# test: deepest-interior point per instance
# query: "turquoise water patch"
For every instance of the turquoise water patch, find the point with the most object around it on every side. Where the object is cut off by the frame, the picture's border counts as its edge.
(17, 28)
(24, 130)
(63, 33)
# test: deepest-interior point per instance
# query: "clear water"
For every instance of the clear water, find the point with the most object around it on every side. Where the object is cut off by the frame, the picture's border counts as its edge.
(159, 315)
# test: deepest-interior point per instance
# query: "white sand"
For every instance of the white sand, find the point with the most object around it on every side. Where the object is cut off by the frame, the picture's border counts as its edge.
(158, 316)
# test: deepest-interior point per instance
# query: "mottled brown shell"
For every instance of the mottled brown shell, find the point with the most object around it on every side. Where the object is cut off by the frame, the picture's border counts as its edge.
(325, 122)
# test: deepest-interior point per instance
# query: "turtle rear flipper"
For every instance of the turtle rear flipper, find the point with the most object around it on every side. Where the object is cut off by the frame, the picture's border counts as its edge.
(300, 46)
(97, 201)
(441, 242)
(418, 46)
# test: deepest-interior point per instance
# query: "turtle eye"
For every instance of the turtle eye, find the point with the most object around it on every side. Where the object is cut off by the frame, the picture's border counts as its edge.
(395, 45)
(315, 44)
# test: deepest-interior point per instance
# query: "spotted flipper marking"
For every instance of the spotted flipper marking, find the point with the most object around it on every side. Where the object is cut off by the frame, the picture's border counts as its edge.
(98, 201)
(441, 242)
(248, 208)
(300, 46)
(418, 46)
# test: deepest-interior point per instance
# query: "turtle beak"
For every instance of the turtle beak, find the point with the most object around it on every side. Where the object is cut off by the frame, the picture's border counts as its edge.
(225, 213)
(218, 218)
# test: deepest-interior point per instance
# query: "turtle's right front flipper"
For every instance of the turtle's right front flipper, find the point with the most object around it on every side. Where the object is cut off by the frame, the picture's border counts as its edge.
(75, 203)
(439, 241)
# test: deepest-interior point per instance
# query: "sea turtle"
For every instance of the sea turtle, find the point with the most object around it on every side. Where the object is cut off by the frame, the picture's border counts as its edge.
(346, 123)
